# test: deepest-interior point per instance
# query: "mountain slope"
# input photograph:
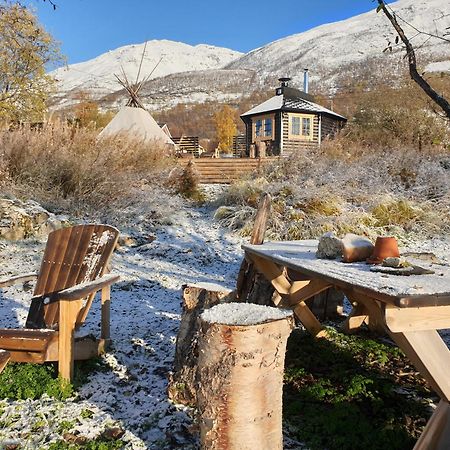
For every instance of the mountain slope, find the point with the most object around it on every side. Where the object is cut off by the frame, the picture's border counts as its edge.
(339, 56)
(96, 76)
(329, 50)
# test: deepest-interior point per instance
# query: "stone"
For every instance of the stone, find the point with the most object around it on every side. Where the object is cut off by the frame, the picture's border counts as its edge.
(356, 248)
(329, 247)
(21, 220)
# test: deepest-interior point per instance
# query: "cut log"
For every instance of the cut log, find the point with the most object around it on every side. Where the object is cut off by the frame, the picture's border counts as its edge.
(251, 286)
(240, 376)
(195, 299)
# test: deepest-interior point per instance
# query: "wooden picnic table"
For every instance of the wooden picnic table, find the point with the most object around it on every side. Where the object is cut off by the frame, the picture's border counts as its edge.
(409, 308)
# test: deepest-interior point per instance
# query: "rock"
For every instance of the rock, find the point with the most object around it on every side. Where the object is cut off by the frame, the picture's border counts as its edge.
(75, 438)
(330, 246)
(112, 434)
(356, 248)
(21, 220)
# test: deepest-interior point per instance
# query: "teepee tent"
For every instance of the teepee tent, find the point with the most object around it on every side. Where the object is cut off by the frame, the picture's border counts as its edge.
(135, 122)
(133, 119)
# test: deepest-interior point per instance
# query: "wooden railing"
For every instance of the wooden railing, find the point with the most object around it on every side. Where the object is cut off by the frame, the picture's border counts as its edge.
(225, 170)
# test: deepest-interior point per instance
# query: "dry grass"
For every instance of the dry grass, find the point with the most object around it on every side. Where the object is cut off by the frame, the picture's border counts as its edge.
(69, 171)
(405, 193)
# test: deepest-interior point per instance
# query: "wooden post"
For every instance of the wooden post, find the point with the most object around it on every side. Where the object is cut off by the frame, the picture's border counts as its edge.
(251, 286)
(106, 313)
(240, 378)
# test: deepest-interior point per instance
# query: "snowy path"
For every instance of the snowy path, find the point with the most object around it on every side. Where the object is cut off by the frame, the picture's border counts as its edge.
(145, 318)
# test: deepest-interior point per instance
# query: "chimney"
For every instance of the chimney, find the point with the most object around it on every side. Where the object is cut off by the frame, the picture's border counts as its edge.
(284, 84)
(305, 81)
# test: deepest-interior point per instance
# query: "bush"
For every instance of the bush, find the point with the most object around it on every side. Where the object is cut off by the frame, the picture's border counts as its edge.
(31, 381)
(401, 192)
(68, 170)
(185, 181)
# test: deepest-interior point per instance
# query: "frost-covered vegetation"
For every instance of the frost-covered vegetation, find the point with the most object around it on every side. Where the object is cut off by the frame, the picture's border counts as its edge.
(68, 170)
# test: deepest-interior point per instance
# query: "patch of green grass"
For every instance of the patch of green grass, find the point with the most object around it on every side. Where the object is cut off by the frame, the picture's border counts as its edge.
(97, 444)
(86, 414)
(20, 381)
(343, 393)
(65, 425)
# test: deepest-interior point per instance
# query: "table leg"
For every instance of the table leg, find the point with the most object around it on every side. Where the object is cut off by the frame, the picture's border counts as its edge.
(293, 294)
(436, 435)
(355, 319)
(366, 310)
(415, 332)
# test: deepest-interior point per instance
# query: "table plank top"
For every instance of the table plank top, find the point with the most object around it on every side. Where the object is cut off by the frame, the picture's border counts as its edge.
(403, 291)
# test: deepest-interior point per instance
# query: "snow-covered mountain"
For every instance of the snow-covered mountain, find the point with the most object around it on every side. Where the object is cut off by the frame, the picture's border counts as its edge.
(161, 58)
(343, 49)
(338, 55)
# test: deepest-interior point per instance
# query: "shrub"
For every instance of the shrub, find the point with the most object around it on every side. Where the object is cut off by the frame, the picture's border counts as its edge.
(68, 170)
(23, 381)
(403, 192)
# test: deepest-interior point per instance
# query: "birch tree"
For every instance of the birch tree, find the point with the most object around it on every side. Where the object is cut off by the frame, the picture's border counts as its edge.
(26, 50)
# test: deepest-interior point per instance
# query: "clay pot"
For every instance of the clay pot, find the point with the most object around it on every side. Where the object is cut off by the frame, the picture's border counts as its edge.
(385, 247)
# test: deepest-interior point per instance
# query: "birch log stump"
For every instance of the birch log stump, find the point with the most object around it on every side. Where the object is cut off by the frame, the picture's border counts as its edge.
(240, 376)
(195, 299)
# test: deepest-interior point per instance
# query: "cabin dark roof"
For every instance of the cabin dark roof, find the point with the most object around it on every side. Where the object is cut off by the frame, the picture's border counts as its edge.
(291, 104)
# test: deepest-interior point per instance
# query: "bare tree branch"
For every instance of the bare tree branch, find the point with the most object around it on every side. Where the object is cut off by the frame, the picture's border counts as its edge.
(412, 61)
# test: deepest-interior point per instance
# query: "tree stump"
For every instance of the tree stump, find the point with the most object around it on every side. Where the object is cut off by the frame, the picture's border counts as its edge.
(195, 299)
(251, 286)
(240, 376)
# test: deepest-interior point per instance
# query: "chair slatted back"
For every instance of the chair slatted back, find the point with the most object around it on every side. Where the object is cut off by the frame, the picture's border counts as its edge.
(72, 256)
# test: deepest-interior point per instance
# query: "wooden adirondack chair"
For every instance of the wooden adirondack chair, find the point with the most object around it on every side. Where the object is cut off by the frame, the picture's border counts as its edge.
(72, 271)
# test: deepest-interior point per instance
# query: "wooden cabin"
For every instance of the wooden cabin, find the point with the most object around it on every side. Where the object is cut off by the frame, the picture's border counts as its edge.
(289, 122)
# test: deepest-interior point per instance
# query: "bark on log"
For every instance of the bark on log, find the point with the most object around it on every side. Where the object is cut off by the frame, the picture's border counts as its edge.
(251, 286)
(195, 299)
(240, 382)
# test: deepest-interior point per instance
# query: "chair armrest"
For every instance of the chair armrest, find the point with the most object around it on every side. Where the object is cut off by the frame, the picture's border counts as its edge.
(82, 290)
(5, 282)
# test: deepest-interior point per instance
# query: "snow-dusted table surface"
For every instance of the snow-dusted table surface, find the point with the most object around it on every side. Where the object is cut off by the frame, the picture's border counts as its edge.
(403, 291)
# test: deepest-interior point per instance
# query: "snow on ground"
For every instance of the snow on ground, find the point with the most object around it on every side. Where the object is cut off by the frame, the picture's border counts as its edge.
(145, 315)
(146, 307)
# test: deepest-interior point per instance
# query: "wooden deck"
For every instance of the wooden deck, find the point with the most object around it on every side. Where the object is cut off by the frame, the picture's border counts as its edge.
(225, 170)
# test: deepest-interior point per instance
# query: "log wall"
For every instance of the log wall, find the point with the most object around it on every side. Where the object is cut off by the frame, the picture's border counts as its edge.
(330, 127)
(292, 145)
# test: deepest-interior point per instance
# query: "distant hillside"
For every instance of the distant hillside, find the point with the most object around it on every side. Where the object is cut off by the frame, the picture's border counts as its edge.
(161, 58)
(350, 49)
(339, 56)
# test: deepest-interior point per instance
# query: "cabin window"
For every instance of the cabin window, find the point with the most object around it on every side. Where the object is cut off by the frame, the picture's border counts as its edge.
(263, 128)
(268, 127)
(295, 126)
(258, 128)
(301, 126)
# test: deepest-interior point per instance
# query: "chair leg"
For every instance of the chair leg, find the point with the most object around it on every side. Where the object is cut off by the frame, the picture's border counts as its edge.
(68, 311)
(4, 358)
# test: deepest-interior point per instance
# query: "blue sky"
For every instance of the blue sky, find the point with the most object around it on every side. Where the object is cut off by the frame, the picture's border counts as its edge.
(87, 28)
